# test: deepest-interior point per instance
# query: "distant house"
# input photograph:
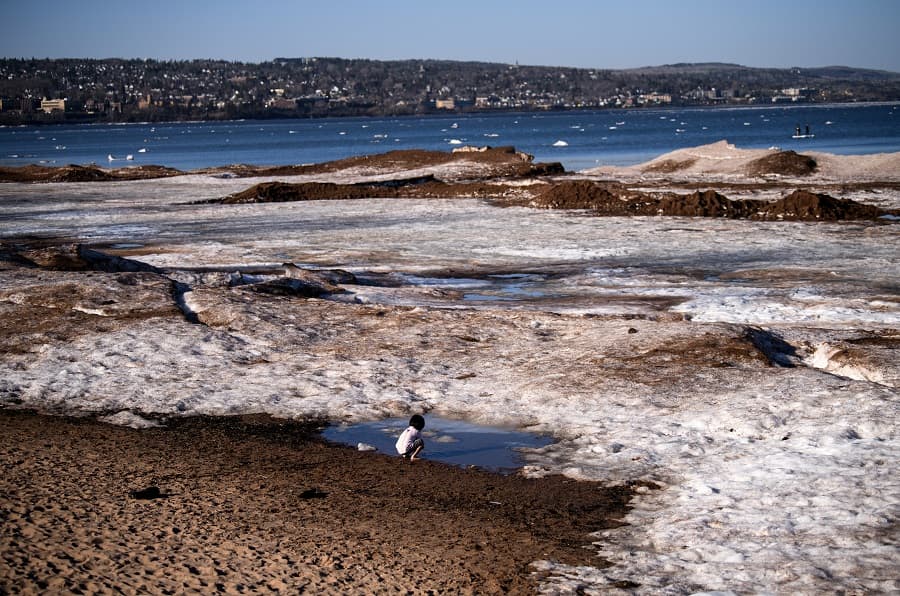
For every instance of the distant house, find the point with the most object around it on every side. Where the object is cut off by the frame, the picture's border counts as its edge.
(52, 105)
(445, 104)
(282, 103)
(657, 98)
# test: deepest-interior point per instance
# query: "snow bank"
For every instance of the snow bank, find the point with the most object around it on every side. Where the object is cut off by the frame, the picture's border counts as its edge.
(723, 160)
(753, 478)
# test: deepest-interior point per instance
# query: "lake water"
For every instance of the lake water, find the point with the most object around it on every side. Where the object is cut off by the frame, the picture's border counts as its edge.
(579, 140)
(451, 441)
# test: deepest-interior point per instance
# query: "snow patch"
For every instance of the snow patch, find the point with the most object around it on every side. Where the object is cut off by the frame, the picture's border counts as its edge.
(130, 419)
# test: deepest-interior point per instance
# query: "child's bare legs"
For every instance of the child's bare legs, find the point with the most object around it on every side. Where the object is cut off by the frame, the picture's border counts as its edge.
(412, 456)
(415, 449)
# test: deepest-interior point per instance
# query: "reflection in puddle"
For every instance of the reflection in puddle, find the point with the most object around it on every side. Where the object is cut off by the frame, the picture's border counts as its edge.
(451, 441)
(498, 288)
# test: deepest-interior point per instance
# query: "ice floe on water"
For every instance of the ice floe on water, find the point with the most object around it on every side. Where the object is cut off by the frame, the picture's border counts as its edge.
(740, 374)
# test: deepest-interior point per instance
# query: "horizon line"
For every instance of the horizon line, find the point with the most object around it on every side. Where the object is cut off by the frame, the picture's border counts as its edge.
(515, 64)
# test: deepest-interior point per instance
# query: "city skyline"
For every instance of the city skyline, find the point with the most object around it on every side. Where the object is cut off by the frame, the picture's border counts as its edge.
(766, 33)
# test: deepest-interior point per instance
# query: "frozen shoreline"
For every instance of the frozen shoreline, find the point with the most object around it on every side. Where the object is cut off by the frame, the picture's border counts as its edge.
(746, 368)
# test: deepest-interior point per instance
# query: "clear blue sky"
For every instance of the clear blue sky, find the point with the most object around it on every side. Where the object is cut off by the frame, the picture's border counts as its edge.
(582, 33)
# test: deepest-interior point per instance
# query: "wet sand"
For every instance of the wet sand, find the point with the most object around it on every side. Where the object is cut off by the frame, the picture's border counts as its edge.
(254, 504)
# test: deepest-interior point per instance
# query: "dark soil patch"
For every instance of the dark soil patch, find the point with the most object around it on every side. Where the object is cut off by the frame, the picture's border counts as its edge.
(784, 163)
(610, 199)
(803, 205)
(604, 198)
(418, 188)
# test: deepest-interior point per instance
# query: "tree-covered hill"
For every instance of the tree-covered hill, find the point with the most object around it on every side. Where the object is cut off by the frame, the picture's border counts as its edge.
(117, 89)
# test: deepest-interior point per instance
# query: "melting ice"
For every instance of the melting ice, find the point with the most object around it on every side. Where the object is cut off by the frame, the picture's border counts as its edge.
(744, 373)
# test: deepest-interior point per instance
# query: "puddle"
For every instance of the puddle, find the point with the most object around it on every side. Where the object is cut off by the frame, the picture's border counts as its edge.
(451, 441)
(512, 287)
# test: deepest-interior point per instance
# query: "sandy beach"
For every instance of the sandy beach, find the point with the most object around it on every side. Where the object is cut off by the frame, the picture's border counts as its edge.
(249, 504)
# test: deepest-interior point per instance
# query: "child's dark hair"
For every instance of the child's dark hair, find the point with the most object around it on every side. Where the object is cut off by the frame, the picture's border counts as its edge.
(417, 422)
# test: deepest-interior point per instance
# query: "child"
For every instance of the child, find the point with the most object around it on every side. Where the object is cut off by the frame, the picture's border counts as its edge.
(410, 443)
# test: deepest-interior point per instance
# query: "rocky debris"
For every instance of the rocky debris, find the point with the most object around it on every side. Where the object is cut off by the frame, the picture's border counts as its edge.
(612, 199)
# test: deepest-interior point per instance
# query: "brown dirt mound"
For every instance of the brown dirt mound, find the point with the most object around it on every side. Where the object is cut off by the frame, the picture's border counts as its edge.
(418, 158)
(784, 163)
(426, 187)
(608, 199)
(79, 173)
(503, 161)
(71, 173)
(280, 192)
(668, 166)
(707, 203)
(611, 199)
(496, 162)
(803, 205)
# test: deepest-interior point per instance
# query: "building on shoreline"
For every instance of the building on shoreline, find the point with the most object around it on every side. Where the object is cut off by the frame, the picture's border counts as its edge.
(48, 106)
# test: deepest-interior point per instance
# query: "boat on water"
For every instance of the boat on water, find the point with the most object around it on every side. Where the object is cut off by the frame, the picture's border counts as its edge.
(798, 134)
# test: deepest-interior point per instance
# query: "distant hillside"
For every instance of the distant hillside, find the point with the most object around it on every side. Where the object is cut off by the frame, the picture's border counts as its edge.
(121, 90)
(841, 72)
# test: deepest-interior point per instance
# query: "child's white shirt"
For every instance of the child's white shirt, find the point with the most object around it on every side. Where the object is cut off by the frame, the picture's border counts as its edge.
(406, 439)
